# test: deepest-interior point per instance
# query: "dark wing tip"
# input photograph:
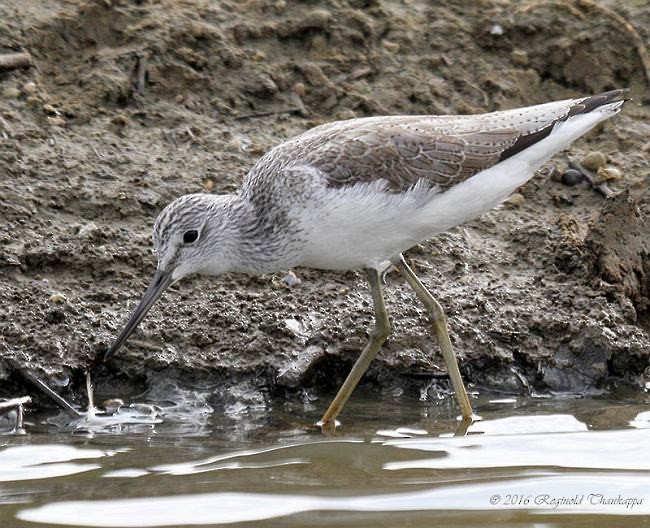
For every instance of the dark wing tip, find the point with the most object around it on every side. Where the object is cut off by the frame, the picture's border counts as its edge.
(589, 104)
(581, 106)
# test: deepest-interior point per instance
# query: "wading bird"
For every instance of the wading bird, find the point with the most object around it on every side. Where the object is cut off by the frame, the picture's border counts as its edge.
(357, 194)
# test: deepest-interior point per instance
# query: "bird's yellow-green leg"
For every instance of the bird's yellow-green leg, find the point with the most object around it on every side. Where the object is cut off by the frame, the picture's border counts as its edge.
(379, 334)
(439, 323)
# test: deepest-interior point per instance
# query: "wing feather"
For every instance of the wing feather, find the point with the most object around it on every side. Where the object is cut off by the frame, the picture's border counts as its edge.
(403, 154)
(402, 150)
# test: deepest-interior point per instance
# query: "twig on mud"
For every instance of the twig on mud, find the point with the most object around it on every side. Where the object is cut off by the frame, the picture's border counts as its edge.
(189, 133)
(486, 98)
(17, 404)
(294, 110)
(90, 388)
(39, 384)
(557, 3)
(592, 179)
(12, 61)
(7, 405)
(6, 128)
(185, 133)
(142, 73)
(641, 49)
(358, 74)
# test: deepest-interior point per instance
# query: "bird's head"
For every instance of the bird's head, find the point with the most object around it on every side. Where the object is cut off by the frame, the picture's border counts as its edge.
(191, 235)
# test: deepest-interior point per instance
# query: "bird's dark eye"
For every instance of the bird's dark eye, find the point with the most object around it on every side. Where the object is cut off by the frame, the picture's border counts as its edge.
(190, 236)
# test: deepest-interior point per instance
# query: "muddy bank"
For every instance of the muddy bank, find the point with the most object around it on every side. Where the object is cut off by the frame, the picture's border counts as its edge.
(128, 105)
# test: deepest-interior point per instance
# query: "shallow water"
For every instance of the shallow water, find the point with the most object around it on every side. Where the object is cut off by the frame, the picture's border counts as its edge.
(529, 462)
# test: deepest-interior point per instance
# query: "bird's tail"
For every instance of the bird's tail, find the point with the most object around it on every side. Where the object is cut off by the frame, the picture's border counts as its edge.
(518, 164)
(603, 106)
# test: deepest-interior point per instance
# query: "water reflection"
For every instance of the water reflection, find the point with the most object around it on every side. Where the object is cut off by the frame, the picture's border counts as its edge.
(527, 462)
(613, 495)
(545, 423)
(247, 459)
(620, 450)
(641, 421)
(46, 461)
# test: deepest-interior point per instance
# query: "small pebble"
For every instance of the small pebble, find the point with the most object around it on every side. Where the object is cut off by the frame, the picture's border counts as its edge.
(609, 173)
(317, 19)
(144, 408)
(208, 184)
(496, 30)
(148, 197)
(88, 230)
(299, 88)
(346, 114)
(572, 177)
(57, 298)
(238, 144)
(516, 200)
(200, 31)
(594, 161)
(259, 56)
(56, 121)
(391, 46)
(519, 57)
(113, 405)
(49, 109)
(234, 145)
(30, 88)
(120, 120)
(290, 279)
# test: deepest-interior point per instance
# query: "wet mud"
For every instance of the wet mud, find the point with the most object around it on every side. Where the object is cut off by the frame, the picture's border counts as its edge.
(127, 105)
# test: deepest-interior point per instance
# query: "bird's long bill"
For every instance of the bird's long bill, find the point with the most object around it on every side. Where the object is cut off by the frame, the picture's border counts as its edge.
(159, 284)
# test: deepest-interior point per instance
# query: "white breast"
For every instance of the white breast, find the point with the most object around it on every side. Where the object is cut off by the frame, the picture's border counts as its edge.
(361, 226)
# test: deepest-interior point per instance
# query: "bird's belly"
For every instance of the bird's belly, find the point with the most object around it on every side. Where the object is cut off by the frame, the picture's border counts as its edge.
(358, 234)
(346, 254)
(338, 255)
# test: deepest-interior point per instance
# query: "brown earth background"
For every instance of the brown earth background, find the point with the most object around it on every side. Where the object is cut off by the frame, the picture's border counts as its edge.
(128, 105)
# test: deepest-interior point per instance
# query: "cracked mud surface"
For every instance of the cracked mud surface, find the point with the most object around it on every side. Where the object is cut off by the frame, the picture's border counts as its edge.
(546, 295)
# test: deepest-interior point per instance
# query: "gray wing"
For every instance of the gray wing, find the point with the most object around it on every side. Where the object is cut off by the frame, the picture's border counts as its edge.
(402, 154)
(443, 150)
